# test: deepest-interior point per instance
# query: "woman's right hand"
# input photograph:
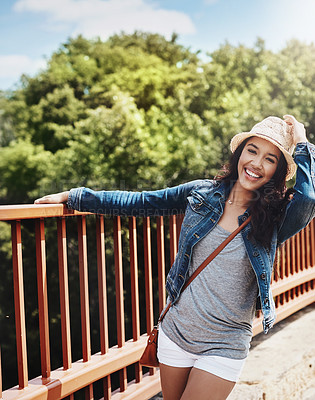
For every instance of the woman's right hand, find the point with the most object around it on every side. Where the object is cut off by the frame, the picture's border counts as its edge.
(298, 132)
(56, 198)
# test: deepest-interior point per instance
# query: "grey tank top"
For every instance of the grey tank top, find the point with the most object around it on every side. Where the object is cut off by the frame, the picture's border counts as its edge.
(214, 315)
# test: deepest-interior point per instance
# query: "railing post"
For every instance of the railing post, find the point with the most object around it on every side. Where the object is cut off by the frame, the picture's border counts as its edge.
(64, 293)
(173, 238)
(119, 297)
(308, 249)
(134, 289)
(287, 258)
(134, 278)
(84, 298)
(42, 297)
(119, 283)
(161, 262)
(19, 303)
(102, 291)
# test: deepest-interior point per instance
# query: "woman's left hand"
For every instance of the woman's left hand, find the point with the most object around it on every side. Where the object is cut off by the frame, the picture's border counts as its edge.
(298, 131)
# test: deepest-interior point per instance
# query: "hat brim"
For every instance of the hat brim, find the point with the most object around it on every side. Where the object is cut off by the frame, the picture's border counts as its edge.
(240, 137)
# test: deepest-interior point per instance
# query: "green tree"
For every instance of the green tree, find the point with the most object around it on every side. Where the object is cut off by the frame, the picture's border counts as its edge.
(93, 105)
(23, 168)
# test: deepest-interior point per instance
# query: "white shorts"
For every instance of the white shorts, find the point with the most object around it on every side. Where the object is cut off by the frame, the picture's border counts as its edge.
(169, 353)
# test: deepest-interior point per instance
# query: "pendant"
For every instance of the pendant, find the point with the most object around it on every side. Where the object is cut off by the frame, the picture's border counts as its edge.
(230, 201)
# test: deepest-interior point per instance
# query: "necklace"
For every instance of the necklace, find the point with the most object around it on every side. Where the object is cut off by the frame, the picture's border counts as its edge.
(230, 201)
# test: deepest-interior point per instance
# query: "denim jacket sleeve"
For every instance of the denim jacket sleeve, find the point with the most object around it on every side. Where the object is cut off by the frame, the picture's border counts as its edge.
(147, 203)
(301, 209)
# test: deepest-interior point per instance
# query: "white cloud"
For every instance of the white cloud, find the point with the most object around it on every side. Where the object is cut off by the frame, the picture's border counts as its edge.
(105, 17)
(14, 65)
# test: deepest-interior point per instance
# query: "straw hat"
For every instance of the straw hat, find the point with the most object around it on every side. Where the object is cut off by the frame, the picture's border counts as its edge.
(278, 132)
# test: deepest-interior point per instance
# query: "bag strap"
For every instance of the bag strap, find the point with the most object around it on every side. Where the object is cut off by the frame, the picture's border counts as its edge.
(203, 265)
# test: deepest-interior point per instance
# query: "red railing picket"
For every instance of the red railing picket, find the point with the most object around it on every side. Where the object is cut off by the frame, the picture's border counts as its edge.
(134, 278)
(102, 290)
(64, 293)
(19, 303)
(161, 262)
(173, 238)
(84, 298)
(120, 315)
(134, 289)
(42, 298)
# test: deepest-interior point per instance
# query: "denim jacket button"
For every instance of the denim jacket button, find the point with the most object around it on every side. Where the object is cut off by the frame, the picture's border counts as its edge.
(263, 276)
(244, 218)
(266, 301)
(255, 253)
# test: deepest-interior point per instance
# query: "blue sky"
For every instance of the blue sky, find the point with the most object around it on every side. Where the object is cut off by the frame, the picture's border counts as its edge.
(30, 30)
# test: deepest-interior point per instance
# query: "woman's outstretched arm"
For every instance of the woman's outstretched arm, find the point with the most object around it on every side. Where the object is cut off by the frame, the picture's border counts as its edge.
(166, 201)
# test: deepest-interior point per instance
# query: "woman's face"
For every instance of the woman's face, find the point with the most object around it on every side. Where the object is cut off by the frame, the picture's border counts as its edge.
(257, 164)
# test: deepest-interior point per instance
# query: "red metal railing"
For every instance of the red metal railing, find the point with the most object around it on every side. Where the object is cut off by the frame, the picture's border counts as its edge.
(293, 285)
(293, 288)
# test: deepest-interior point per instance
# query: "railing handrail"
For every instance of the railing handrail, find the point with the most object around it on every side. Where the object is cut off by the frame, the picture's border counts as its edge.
(29, 211)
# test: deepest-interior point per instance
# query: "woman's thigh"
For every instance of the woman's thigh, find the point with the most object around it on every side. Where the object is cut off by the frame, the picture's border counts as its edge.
(175, 365)
(173, 381)
(202, 385)
(186, 374)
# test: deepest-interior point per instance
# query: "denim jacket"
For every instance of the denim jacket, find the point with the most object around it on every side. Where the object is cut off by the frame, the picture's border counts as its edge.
(203, 202)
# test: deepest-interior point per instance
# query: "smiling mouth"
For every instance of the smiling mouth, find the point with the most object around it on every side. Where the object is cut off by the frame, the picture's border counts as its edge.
(252, 174)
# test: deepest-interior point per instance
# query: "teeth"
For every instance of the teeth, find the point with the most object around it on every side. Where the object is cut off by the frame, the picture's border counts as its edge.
(251, 173)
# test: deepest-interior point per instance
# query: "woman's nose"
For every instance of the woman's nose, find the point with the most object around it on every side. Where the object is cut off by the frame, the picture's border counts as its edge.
(257, 162)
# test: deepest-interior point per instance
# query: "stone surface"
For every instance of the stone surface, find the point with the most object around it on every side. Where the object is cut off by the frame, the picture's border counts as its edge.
(281, 365)
(157, 397)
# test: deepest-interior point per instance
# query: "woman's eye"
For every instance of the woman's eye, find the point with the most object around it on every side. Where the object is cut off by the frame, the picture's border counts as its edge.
(252, 151)
(271, 160)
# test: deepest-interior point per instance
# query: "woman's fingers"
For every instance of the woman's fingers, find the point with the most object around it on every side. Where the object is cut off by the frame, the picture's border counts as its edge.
(43, 200)
(298, 131)
(289, 118)
(56, 198)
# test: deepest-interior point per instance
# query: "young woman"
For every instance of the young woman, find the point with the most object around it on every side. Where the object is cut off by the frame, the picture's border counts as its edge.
(205, 336)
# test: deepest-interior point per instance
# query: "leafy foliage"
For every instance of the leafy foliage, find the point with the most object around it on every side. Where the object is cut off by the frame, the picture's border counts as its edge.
(139, 108)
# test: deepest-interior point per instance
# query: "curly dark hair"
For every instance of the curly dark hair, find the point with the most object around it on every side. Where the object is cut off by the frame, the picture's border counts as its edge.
(271, 200)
